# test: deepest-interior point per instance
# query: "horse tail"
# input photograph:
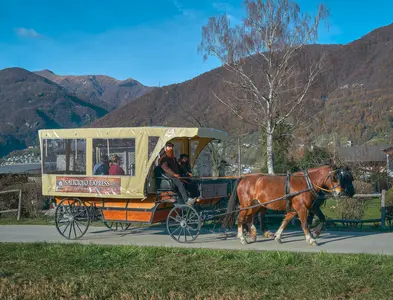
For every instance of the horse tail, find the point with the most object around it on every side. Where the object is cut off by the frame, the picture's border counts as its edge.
(229, 219)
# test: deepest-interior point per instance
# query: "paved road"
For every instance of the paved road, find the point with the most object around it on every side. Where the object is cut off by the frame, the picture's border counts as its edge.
(331, 241)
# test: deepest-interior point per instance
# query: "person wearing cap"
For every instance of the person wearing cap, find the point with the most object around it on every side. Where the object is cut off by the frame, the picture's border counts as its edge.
(115, 168)
(192, 185)
(172, 169)
(185, 164)
(102, 168)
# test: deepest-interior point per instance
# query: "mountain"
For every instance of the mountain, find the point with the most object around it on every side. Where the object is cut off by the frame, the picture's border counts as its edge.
(95, 88)
(351, 98)
(29, 102)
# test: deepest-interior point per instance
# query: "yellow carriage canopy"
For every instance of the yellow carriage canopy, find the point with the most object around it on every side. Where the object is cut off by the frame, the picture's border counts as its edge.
(72, 160)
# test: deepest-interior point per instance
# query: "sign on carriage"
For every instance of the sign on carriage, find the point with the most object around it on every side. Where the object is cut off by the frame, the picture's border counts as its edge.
(89, 185)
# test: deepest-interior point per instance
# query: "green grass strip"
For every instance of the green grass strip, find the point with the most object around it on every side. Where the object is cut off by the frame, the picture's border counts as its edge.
(74, 271)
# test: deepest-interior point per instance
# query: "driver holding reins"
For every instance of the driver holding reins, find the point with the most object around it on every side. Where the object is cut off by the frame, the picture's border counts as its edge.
(174, 170)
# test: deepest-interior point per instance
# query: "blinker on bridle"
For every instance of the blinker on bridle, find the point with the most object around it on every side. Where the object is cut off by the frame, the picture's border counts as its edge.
(331, 180)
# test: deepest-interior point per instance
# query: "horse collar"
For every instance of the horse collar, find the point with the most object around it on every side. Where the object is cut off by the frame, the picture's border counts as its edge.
(309, 183)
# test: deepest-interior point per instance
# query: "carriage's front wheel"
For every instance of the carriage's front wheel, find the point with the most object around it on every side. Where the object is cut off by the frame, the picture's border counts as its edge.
(72, 218)
(183, 224)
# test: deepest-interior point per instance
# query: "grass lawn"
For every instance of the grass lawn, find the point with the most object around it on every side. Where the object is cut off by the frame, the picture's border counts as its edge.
(72, 271)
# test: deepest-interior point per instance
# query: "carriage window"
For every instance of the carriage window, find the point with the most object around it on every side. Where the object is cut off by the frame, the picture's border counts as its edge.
(153, 140)
(64, 156)
(193, 147)
(176, 148)
(114, 157)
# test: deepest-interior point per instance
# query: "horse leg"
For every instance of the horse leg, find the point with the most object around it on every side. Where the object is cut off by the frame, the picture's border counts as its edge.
(303, 219)
(322, 219)
(288, 217)
(266, 233)
(240, 221)
(252, 228)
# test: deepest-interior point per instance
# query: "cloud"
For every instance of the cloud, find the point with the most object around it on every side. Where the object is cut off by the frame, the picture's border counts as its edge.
(184, 12)
(232, 13)
(27, 32)
(222, 6)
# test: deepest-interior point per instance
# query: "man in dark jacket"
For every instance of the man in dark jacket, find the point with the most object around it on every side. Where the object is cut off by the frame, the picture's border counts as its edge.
(172, 169)
(184, 162)
(192, 185)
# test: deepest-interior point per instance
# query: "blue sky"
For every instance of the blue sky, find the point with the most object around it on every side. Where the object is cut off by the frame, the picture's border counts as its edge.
(152, 41)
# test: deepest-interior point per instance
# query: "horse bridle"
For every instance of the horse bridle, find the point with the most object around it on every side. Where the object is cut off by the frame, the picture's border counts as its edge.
(311, 184)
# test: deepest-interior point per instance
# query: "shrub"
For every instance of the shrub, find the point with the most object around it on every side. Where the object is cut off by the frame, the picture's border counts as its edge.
(352, 209)
(362, 187)
(389, 202)
(32, 200)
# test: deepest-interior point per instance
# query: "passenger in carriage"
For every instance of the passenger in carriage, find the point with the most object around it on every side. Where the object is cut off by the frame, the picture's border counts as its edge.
(174, 170)
(185, 164)
(102, 168)
(115, 168)
(192, 185)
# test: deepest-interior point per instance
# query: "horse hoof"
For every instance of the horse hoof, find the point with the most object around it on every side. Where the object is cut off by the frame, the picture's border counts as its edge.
(268, 234)
(316, 234)
(278, 240)
(313, 243)
(254, 239)
(243, 241)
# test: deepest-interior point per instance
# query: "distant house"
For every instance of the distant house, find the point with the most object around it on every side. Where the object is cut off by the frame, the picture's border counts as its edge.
(367, 157)
(34, 168)
(369, 160)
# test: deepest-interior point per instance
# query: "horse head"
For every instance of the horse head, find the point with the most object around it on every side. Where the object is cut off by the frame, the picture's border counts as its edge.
(340, 182)
(345, 178)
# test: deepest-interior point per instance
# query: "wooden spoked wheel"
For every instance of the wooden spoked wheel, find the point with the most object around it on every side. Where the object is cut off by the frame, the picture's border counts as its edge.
(183, 224)
(117, 226)
(72, 218)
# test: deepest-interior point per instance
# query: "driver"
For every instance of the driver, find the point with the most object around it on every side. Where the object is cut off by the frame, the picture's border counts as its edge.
(172, 169)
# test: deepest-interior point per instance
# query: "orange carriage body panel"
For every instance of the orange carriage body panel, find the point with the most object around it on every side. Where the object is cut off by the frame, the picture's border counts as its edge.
(129, 210)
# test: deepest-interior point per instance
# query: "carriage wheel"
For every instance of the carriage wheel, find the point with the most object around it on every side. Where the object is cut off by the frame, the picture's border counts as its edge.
(72, 218)
(117, 226)
(183, 224)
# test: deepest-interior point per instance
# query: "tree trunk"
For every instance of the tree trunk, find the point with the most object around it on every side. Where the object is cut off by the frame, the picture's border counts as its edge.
(269, 148)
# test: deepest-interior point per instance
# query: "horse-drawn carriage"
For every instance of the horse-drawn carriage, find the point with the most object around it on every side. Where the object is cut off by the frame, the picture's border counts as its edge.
(141, 193)
(135, 190)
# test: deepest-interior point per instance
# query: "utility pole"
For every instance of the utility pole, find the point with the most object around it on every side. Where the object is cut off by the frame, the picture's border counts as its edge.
(239, 156)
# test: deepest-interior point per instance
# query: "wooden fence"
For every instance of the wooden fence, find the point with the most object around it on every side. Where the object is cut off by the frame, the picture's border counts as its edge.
(19, 209)
(384, 217)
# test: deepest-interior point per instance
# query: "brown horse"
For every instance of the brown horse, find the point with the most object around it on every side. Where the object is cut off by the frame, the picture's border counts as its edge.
(263, 192)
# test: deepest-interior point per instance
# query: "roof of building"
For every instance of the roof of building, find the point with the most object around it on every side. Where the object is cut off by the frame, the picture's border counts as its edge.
(362, 153)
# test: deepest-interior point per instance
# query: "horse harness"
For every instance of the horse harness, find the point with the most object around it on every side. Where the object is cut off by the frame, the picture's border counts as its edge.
(311, 187)
(288, 197)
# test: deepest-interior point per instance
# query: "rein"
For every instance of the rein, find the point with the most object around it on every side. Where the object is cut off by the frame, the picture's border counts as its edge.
(311, 184)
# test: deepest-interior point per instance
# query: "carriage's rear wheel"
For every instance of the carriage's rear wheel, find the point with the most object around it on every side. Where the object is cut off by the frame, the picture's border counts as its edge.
(117, 226)
(183, 224)
(72, 218)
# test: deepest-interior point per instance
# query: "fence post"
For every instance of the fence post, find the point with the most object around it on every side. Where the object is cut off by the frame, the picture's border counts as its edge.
(19, 205)
(383, 209)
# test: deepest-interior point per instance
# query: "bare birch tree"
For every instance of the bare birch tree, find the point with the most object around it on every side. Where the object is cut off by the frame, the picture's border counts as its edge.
(264, 54)
(198, 116)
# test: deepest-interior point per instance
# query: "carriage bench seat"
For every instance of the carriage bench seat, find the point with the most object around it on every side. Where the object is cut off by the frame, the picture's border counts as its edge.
(163, 182)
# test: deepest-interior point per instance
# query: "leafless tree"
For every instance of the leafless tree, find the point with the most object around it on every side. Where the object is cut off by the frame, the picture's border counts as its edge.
(198, 116)
(271, 77)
